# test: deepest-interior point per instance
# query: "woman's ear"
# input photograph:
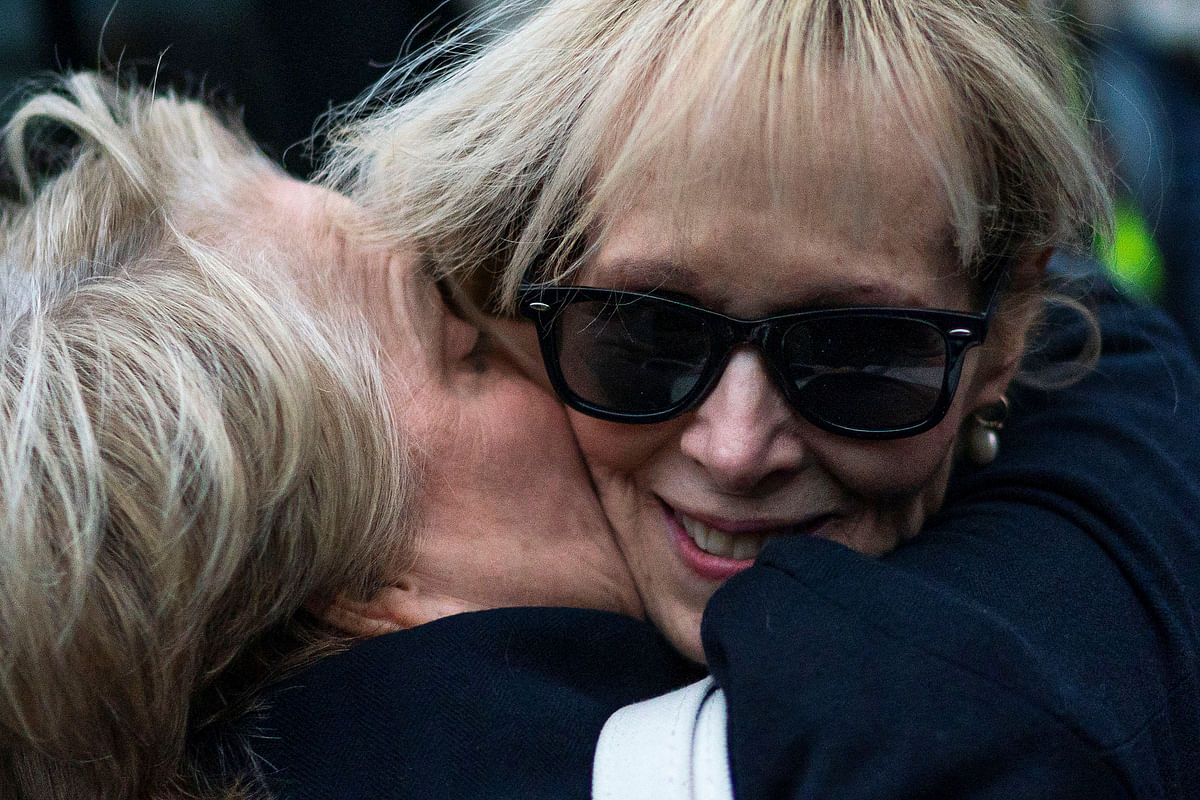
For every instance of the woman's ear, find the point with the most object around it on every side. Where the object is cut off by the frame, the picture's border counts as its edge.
(395, 608)
(1005, 347)
(374, 617)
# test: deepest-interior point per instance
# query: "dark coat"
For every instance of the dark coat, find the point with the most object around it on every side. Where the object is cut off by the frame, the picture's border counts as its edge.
(1037, 640)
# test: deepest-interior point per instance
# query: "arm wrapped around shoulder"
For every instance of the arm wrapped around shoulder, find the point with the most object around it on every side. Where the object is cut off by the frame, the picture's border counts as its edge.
(1038, 638)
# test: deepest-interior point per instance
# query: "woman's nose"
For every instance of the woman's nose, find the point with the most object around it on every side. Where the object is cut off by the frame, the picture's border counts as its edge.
(744, 431)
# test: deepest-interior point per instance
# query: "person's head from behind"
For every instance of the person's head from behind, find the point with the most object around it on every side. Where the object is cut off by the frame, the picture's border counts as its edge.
(753, 159)
(231, 437)
(192, 451)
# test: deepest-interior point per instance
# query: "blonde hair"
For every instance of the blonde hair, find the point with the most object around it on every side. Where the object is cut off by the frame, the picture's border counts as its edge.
(190, 452)
(511, 162)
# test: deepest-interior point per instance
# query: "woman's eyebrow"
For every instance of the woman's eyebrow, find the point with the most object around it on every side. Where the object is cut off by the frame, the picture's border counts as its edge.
(863, 294)
(640, 273)
(648, 274)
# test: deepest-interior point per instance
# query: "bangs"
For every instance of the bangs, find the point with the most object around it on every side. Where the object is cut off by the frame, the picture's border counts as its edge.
(514, 164)
(804, 95)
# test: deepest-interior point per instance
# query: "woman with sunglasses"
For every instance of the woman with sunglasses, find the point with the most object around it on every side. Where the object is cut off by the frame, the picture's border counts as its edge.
(784, 260)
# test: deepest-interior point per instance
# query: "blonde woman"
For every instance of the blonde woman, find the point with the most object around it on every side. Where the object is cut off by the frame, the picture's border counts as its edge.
(701, 169)
(225, 426)
(783, 259)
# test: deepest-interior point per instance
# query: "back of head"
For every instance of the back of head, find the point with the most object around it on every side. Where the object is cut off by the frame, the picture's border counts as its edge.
(190, 451)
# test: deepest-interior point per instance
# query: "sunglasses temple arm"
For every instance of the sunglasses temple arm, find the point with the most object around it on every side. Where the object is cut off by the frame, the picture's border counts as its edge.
(996, 281)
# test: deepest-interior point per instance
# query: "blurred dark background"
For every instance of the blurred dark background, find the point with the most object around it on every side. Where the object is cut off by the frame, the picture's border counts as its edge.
(1143, 58)
(283, 63)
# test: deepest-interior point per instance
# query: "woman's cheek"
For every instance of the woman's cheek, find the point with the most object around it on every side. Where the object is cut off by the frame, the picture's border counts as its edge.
(934, 493)
(914, 466)
(895, 486)
(618, 450)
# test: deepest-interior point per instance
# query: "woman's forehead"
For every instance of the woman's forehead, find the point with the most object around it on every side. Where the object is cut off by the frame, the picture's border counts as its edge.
(857, 177)
(837, 150)
(846, 214)
(787, 133)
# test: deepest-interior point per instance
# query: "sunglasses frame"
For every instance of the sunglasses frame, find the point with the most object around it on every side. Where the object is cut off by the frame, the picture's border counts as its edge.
(960, 331)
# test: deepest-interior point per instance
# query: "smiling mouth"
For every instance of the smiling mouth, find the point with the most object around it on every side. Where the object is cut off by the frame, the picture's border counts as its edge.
(716, 542)
(742, 545)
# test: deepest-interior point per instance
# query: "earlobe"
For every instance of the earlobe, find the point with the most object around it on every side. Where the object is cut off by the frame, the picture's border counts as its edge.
(999, 363)
(396, 608)
(999, 370)
(1006, 347)
(386, 612)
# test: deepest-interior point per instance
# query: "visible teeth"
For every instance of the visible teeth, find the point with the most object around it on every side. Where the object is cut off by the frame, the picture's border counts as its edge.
(740, 547)
(745, 547)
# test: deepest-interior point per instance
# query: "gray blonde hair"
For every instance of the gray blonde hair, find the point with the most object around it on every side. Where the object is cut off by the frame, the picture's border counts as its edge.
(507, 163)
(191, 452)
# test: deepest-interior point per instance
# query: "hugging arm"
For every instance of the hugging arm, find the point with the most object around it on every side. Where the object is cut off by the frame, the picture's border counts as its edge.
(1037, 640)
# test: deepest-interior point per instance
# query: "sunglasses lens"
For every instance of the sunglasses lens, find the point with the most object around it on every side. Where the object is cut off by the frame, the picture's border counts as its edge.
(866, 373)
(634, 357)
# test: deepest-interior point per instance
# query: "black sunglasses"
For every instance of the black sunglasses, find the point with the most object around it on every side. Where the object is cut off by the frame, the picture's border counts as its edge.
(868, 372)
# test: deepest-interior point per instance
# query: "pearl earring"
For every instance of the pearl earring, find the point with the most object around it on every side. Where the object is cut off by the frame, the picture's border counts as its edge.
(983, 439)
